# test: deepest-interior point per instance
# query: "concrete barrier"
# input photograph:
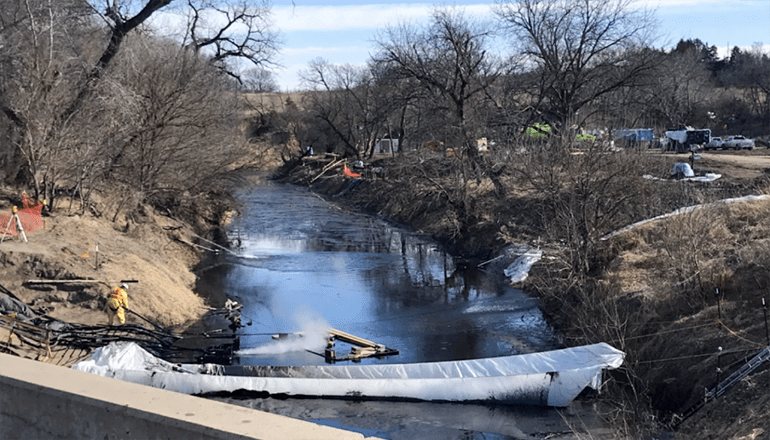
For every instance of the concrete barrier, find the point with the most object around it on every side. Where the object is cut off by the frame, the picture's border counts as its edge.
(39, 400)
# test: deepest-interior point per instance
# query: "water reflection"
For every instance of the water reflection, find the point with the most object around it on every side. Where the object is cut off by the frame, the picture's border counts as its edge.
(444, 421)
(305, 264)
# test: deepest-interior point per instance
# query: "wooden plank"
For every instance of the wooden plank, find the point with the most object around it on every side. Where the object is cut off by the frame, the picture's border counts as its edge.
(350, 339)
(21, 330)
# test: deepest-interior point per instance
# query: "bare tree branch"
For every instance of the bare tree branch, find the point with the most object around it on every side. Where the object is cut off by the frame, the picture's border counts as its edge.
(233, 30)
(582, 49)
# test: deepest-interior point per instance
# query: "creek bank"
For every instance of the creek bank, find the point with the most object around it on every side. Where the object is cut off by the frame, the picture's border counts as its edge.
(155, 250)
(634, 298)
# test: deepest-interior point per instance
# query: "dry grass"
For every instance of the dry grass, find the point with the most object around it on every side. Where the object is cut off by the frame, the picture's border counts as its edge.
(656, 300)
(692, 253)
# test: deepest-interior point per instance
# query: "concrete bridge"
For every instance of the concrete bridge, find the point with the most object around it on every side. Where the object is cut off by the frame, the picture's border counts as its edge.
(38, 400)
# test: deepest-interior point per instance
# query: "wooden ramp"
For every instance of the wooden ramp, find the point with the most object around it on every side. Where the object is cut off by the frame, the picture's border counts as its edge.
(362, 348)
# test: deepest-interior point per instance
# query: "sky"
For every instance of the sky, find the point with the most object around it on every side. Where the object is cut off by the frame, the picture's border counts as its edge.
(343, 32)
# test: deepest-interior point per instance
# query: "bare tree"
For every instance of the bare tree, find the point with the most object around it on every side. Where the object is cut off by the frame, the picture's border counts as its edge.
(449, 61)
(681, 89)
(259, 80)
(120, 24)
(581, 49)
(222, 36)
(758, 93)
(349, 101)
(182, 128)
(586, 196)
(37, 83)
(748, 71)
(48, 93)
(229, 30)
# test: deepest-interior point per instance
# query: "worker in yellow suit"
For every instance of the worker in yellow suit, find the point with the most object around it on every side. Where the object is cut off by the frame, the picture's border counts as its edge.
(117, 302)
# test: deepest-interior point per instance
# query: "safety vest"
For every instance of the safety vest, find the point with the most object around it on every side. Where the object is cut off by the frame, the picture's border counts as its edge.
(117, 298)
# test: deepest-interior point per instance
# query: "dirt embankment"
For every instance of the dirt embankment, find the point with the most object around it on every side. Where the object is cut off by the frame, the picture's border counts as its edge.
(149, 248)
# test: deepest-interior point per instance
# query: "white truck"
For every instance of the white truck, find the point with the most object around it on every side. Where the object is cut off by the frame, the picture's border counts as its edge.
(738, 143)
(714, 144)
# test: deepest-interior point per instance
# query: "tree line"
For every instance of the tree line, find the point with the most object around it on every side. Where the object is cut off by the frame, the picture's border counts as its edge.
(99, 104)
(98, 100)
(572, 65)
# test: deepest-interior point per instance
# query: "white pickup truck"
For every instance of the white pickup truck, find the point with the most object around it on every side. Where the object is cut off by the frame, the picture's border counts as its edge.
(714, 144)
(738, 143)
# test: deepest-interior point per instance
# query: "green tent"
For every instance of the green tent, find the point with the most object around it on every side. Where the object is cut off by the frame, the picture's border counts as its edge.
(538, 131)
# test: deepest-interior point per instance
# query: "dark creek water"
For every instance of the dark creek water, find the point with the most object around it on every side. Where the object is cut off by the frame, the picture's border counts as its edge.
(305, 265)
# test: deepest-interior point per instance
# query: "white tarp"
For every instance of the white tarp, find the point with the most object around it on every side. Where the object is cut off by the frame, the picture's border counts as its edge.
(552, 378)
(683, 168)
(708, 177)
(518, 271)
(678, 135)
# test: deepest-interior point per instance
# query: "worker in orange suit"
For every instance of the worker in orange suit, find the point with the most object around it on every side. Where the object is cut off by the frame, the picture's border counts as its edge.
(117, 303)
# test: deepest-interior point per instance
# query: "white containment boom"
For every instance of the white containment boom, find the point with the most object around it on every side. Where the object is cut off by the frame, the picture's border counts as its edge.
(552, 378)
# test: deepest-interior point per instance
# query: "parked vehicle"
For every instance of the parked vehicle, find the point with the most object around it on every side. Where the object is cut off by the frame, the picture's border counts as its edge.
(738, 143)
(714, 144)
(686, 139)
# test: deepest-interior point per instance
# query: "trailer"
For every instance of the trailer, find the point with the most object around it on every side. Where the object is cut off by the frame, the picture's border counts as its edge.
(687, 139)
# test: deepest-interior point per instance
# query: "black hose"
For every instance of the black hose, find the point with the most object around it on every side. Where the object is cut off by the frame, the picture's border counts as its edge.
(146, 320)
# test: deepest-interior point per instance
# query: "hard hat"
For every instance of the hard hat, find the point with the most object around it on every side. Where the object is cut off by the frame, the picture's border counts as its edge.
(124, 286)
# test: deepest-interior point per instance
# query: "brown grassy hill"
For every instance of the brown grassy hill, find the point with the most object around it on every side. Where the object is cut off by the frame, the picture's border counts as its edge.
(679, 334)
